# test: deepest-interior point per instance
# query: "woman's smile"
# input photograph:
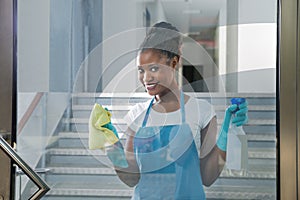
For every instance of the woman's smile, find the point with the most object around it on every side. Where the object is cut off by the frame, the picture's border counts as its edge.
(150, 86)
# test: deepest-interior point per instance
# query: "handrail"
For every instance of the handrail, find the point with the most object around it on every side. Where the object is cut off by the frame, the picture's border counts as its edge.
(36, 170)
(43, 187)
(29, 111)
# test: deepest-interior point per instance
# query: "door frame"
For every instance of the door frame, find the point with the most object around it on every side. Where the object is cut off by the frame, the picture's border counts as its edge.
(288, 99)
(8, 92)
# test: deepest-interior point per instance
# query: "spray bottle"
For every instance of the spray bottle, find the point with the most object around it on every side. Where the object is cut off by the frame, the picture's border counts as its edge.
(237, 145)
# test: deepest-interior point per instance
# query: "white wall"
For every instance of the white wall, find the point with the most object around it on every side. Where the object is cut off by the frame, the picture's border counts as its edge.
(120, 18)
(257, 52)
(156, 11)
(33, 45)
(257, 44)
(123, 32)
(248, 46)
(221, 41)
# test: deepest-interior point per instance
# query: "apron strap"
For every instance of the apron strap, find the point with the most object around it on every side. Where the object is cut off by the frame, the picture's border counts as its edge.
(147, 113)
(182, 109)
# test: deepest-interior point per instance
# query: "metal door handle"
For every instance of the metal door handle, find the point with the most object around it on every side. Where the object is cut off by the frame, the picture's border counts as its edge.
(43, 187)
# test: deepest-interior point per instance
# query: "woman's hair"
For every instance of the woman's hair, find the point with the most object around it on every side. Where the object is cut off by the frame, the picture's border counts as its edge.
(164, 38)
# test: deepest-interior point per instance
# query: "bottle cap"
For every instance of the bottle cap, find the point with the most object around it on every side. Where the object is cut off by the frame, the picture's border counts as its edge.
(237, 100)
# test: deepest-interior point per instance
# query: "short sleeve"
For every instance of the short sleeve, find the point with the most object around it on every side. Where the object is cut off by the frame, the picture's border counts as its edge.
(133, 118)
(207, 112)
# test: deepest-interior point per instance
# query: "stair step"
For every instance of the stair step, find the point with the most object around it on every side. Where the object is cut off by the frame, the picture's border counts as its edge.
(259, 159)
(80, 140)
(119, 193)
(252, 152)
(85, 181)
(119, 111)
(76, 157)
(253, 125)
(109, 107)
(240, 192)
(122, 121)
(224, 192)
(226, 173)
(81, 111)
(77, 135)
(261, 174)
(85, 136)
(131, 99)
(75, 152)
(128, 107)
(109, 98)
(195, 94)
(78, 170)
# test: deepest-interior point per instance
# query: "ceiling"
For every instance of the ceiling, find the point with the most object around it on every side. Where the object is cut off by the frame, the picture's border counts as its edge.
(193, 15)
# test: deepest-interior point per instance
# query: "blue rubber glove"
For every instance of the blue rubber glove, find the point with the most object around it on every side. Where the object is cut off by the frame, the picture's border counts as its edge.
(111, 127)
(116, 152)
(116, 155)
(240, 116)
(239, 119)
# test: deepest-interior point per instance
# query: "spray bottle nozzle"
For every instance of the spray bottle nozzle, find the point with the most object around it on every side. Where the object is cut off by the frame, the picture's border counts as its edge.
(237, 101)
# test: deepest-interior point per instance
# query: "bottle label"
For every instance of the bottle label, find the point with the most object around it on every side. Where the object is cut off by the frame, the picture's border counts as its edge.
(237, 151)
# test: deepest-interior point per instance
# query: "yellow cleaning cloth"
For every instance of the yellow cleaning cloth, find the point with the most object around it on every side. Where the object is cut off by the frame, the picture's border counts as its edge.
(99, 136)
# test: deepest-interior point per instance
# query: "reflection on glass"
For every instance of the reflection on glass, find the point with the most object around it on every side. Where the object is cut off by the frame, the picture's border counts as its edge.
(85, 52)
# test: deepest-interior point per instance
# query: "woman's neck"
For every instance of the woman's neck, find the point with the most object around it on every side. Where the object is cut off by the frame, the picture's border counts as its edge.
(170, 95)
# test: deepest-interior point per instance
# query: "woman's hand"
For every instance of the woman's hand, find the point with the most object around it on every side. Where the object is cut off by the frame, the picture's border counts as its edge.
(239, 113)
(240, 117)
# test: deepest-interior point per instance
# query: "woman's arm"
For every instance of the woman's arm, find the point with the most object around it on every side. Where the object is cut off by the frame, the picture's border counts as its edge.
(212, 164)
(130, 175)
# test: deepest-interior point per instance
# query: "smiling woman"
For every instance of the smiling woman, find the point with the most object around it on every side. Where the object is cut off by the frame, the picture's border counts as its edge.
(158, 58)
(155, 82)
(171, 147)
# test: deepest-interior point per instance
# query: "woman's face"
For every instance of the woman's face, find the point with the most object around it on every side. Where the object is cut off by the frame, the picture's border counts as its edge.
(156, 72)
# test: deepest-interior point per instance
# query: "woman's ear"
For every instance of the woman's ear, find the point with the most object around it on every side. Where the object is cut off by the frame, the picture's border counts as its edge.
(174, 62)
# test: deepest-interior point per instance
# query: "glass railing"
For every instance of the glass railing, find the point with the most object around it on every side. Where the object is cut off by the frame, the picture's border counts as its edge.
(39, 118)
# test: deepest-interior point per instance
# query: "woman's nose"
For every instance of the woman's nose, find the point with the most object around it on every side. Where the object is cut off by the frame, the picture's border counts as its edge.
(147, 77)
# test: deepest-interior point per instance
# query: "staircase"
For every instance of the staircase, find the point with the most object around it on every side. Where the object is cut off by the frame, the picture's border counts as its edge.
(78, 173)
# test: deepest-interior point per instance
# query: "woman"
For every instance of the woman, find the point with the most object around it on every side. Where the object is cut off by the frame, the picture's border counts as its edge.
(171, 146)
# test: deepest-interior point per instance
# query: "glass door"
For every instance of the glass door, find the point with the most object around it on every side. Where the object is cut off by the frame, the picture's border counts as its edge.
(73, 54)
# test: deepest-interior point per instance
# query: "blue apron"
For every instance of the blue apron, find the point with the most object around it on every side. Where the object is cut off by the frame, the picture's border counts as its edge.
(168, 161)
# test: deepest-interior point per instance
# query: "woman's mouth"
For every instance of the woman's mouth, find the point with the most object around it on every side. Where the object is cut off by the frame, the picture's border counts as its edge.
(150, 86)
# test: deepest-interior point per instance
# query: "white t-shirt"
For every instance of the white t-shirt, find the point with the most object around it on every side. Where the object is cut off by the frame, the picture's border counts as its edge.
(198, 114)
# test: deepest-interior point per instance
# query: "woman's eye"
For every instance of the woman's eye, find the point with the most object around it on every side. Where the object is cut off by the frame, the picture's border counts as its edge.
(140, 71)
(154, 69)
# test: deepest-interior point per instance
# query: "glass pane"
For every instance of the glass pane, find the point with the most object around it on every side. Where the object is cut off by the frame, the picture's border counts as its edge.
(73, 54)
(21, 192)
